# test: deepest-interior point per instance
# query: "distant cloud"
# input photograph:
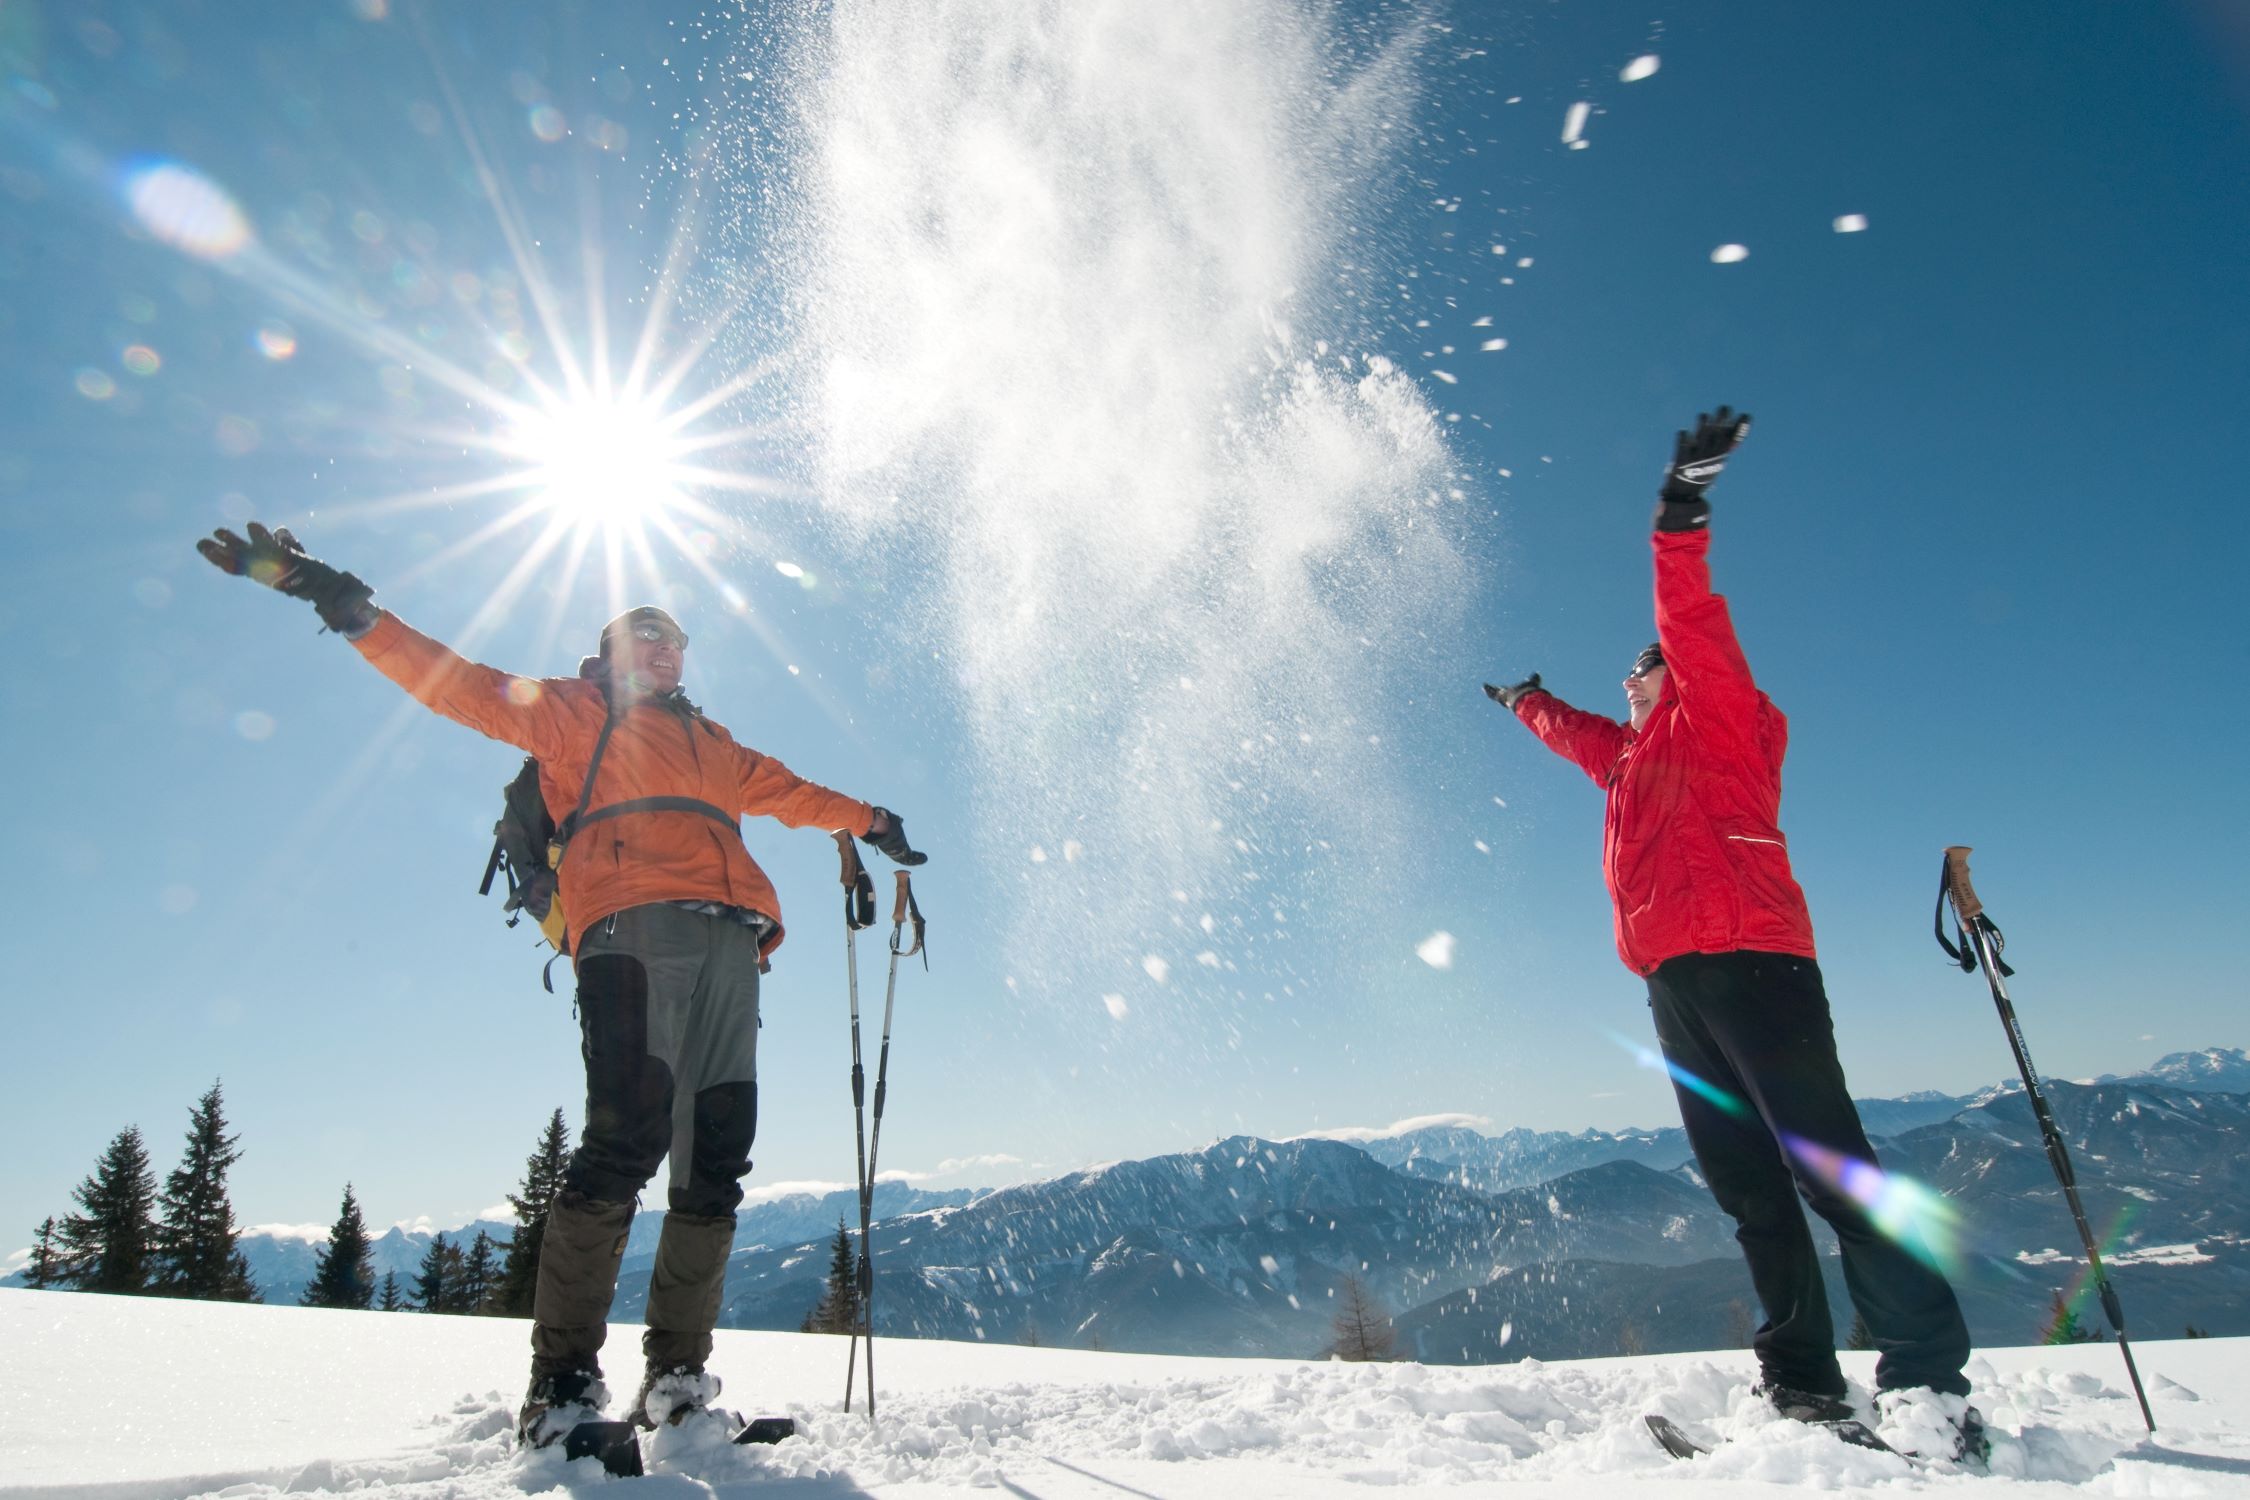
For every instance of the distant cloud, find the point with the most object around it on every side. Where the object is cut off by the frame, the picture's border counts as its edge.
(15, 1262)
(311, 1234)
(772, 1191)
(1396, 1129)
(977, 1163)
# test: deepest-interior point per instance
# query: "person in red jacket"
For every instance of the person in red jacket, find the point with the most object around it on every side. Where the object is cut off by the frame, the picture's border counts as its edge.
(1709, 914)
(671, 923)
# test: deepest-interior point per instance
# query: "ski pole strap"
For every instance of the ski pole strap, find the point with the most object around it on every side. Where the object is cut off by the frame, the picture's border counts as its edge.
(903, 911)
(1968, 915)
(859, 890)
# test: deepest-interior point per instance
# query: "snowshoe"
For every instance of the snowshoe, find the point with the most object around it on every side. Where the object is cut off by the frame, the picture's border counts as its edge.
(676, 1394)
(1926, 1424)
(1805, 1406)
(767, 1430)
(557, 1403)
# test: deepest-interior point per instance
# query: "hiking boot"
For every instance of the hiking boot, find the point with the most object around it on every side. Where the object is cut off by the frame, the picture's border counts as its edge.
(1923, 1423)
(557, 1403)
(1804, 1406)
(674, 1394)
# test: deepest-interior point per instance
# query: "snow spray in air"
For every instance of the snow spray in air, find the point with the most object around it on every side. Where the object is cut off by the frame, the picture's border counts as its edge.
(1078, 282)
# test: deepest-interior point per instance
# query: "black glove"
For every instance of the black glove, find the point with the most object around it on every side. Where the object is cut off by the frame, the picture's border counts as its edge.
(1508, 697)
(274, 558)
(1697, 458)
(892, 840)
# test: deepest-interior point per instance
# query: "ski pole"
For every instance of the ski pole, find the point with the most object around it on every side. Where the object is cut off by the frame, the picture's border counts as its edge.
(859, 912)
(902, 911)
(1981, 942)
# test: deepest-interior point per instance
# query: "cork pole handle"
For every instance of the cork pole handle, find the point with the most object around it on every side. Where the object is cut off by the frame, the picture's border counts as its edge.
(1963, 894)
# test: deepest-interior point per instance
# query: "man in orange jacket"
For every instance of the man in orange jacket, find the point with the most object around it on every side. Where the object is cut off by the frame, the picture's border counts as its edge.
(1709, 914)
(671, 922)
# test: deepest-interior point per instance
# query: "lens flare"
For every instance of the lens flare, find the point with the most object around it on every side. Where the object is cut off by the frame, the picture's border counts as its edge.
(186, 209)
(1921, 1222)
(1728, 1104)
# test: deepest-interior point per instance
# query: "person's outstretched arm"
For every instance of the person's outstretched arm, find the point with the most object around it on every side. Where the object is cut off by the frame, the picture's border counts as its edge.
(1588, 741)
(1701, 652)
(519, 711)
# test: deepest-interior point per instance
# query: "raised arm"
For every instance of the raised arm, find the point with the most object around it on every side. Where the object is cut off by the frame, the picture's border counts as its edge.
(1708, 670)
(529, 713)
(1588, 741)
(518, 710)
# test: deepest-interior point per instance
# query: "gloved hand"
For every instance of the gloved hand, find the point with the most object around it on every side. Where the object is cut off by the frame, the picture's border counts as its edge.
(888, 836)
(1506, 697)
(274, 558)
(1697, 458)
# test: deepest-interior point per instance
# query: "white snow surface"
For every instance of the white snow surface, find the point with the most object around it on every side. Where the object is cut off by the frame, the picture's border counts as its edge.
(113, 1398)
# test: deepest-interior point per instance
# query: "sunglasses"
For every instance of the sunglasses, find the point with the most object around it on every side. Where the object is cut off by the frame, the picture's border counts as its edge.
(652, 632)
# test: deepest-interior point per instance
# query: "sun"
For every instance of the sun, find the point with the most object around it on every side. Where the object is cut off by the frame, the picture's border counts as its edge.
(600, 463)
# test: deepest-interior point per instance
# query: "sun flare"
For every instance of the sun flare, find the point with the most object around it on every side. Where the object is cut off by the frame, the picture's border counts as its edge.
(600, 464)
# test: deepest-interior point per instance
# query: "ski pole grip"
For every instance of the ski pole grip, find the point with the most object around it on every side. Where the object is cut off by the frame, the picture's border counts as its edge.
(1963, 894)
(898, 907)
(859, 890)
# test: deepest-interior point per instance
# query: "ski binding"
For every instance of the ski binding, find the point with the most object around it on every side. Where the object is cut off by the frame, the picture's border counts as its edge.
(767, 1430)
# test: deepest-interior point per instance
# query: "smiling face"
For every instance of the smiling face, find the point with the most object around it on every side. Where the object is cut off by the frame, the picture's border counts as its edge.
(652, 665)
(646, 652)
(1642, 689)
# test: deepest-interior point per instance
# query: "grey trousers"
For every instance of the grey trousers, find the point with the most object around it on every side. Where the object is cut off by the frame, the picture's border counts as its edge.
(668, 1018)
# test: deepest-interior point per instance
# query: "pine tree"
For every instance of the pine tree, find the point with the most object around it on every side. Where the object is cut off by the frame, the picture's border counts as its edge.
(542, 1180)
(838, 1310)
(433, 1282)
(2063, 1326)
(343, 1272)
(474, 1290)
(110, 1246)
(387, 1298)
(198, 1254)
(1363, 1330)
(45, 1268)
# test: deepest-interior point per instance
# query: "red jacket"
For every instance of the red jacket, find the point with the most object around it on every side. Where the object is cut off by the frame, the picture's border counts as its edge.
(638, 857)
(1691, 842)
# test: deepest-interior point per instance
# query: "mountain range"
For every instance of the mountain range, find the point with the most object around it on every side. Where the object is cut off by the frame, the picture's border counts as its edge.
(1494, 1247)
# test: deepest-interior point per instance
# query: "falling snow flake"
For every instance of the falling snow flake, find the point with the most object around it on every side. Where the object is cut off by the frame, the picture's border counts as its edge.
(1436, 950)
(1727, 255)
(1641, 67)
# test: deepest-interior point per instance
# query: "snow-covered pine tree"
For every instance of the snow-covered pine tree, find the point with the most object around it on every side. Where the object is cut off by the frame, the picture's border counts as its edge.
(542, 1180)
(479, 1268)
(433, 1280)
(838, 1308)
(343, 1272)
(197, 1251)
(45, 1265)
(1362, 1328)
(110, 1245)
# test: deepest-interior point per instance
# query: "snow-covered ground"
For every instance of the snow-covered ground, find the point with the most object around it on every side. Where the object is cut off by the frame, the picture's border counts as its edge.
(110, 1398)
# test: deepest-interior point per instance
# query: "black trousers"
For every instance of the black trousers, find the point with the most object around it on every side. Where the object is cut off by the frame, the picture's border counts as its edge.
(1770, 1121)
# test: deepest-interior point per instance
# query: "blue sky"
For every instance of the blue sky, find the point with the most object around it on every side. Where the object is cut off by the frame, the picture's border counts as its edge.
(1976, 547)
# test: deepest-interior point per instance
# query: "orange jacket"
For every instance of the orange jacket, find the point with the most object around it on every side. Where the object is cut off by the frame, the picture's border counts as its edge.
(655, 751)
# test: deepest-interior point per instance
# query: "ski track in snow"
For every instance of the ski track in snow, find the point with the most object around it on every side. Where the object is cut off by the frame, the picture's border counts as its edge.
(141, 1399)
